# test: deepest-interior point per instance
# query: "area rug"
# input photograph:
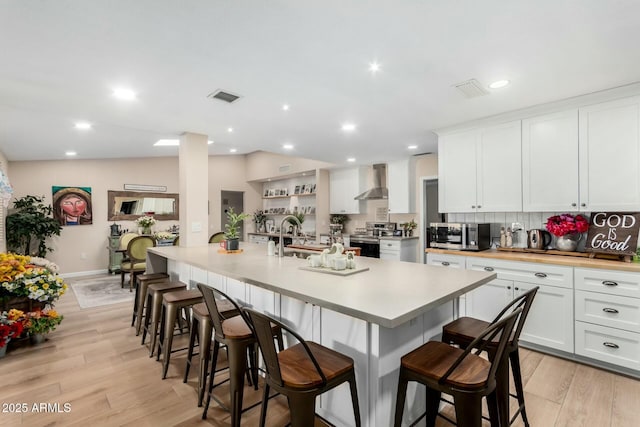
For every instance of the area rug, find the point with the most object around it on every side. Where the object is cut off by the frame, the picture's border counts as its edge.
(97, 291)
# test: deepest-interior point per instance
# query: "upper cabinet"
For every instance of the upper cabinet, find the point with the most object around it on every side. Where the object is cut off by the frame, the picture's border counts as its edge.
(401, 181)
(344, 185)
(480, 170)
(610, 156)
(550, 162)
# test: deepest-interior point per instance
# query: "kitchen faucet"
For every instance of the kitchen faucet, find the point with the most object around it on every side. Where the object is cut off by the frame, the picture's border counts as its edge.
(298, 227)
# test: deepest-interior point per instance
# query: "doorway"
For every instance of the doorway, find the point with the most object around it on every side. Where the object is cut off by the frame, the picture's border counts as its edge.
(430, 212)
(235, 200)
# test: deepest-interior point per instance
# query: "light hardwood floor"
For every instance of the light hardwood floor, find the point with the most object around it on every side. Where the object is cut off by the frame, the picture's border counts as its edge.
(95, 363)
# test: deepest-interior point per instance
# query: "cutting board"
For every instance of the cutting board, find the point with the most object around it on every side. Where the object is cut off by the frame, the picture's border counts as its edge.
(327, 270)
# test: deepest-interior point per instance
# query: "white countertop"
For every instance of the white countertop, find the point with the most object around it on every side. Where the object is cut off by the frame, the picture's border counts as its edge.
(389, 294)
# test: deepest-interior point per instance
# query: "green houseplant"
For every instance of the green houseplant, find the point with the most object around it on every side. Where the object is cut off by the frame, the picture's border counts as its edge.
(231, 233)
(31, 223)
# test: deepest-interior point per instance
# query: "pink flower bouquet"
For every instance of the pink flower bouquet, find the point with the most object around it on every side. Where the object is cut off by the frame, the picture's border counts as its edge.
(561, 225)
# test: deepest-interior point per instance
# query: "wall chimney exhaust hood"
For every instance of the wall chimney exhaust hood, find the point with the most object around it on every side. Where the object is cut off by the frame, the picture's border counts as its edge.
(379, 190)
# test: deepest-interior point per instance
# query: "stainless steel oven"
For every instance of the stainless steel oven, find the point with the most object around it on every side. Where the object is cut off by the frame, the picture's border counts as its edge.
(369, 245)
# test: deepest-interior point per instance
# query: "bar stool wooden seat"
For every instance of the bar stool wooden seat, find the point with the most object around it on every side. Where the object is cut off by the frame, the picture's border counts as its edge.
(142, 282)
(462, 374)
(172, 303)
(464, 330)
(301, 372)
(202, 328)
(154, 309)
(236, 334)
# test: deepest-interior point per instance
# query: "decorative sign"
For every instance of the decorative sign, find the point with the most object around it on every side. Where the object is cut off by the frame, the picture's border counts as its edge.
(613, 233)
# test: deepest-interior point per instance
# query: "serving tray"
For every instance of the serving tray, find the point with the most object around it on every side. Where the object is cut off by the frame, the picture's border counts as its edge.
(327, 270)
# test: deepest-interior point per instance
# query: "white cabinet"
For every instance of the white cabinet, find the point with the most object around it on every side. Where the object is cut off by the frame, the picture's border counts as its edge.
(607, 324)
(398, 249)
(445, 260)
(610, 155)
(550, 320)
(259, 239)
(480, 170)
(344, 185)
(550, 162)
(401, 181)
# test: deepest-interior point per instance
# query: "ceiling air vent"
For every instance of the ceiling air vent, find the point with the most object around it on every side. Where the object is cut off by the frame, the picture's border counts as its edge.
(471, 89)
(223, 96)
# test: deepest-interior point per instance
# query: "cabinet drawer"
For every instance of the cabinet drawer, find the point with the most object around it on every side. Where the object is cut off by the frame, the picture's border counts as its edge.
(608, 345)
(608, 282)
(539, 274)
(258, 239)
(453, 261)
(390, 245)
(608, 310)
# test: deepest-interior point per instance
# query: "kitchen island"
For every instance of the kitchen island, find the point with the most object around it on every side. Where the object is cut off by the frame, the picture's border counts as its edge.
(375, 316)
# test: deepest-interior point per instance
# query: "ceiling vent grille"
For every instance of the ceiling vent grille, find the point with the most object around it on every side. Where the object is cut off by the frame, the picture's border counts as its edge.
(471, 89)
(223, 96)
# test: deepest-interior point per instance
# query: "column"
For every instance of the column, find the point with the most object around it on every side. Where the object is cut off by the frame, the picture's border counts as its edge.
(193, 165)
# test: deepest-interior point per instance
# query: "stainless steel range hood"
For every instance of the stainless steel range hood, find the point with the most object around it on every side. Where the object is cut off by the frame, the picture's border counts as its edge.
(379, 190)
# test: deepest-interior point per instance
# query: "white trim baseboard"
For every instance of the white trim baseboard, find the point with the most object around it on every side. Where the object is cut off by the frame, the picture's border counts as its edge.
(84, 273)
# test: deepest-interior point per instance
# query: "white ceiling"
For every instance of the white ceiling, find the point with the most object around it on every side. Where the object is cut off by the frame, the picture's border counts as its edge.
(59, 61)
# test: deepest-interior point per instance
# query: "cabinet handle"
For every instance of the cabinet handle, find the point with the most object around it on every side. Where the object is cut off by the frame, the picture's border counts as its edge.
(479, 206)
(610, 344)
(584, 205)
(574, 205)
(516, 288)
(609, 283)
(473, 206)
(389, 244)
(445, 263)
(610, 310)
(488, 269)
(541, 275)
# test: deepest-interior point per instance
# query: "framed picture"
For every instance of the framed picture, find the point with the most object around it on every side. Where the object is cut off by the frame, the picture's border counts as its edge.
(312, 209)
(313, 188)
(270, 225)
(266, 192)
(307, 189)
(72, 205)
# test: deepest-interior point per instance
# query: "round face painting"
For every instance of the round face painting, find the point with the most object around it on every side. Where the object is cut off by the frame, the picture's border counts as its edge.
(73, 207)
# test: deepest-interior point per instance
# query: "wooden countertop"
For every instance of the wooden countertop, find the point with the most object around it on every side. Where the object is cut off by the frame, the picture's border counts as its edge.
(389, 294)
(570, 261)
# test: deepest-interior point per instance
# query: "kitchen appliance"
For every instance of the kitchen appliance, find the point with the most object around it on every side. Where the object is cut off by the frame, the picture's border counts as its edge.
(116, 230)
(538, 239)
(460, 236)
(379, 190)
(368, 238)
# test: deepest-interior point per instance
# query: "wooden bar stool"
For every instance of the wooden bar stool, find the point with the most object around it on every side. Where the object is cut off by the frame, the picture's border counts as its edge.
(154, 308)
(464, 330)
(202, 327)
(172, 303)
(236, 334)
(143, 281)
(301, 372)
(460, 373)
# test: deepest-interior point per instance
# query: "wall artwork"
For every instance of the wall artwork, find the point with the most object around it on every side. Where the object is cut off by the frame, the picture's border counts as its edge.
(72, 205)
(613, 233)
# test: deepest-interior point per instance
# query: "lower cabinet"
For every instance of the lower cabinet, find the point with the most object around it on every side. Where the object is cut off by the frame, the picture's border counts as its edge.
(607, 305)
(398, 250)
(258, 238)
(550, 321)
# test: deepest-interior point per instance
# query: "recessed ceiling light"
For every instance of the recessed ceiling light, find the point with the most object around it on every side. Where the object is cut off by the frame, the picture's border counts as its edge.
(167, 143)
(374, 67)
(232, 150)
(287, 146)
(285, 107)
(498, 84)
(83, 125)
(124, 94)
(229, 130)
(70, 153)
(348, 127)
(351, 159)
(412, 147)
(171, 143)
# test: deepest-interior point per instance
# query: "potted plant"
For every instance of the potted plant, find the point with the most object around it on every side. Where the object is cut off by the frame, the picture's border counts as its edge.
(145, 221)
(11, 325)
(338, 219)
(41, 322)
(568, 229)
(164, 238)
(31, 222)
(408, 227)
(231, 233)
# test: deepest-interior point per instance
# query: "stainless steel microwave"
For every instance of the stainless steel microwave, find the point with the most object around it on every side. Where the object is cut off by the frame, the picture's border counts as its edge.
(460, 236)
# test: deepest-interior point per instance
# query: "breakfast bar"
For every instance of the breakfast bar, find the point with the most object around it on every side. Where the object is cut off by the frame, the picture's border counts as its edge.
(374, 316)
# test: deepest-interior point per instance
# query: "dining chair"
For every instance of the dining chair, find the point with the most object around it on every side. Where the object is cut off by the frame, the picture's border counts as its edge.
(135, 258)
